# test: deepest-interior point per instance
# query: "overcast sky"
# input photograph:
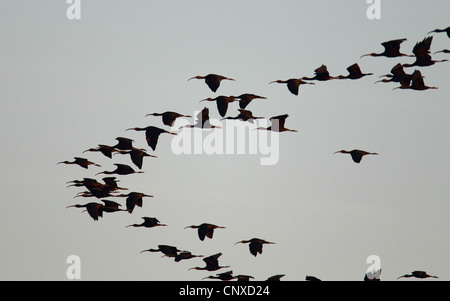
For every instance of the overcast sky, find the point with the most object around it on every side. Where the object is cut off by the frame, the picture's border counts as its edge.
(69, 85)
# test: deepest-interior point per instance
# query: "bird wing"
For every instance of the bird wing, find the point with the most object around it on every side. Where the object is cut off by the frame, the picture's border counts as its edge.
(152, 138)
(354, 69)
(293, 86)
(393, 45)
(423, 48)
(213, 81)
(281, 120)
(255, 248)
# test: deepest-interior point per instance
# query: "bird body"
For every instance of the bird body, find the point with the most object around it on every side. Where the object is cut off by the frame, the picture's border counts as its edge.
(106, 150)
(414, 82)
(134, 199)
(321, 74)
(356, 154)
(122, 169)
(391, 49)
(246, 98)
(418, 274)
(205, 230)
(149, 222)
(212, 263)
(152, 134)
(137, 155)
(212, 80)
(278, 124)
(168, 117)
(293, 84)
(354, 72)
(185, 255)
(422, 53)
(168, 251)
(225, 276)
(398, 75)
(95, 210)
(244, 115)
(83, 162)
(255, 245)
(222, 103)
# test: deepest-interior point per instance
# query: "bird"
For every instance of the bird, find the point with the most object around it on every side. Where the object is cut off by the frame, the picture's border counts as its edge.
(243, 277)
(356, 154)
(212, 263)
(205, 230)
(185, 255)
(168, 251)
(124, 143)
(418, 274)
(278, 124)
(397, 74)
(443, 51)
(246, 98)
(95, 210)
(391, 49)
(134, 199)
(225, 276)
(83, 162)
(415, 82)
(293, 84)
(122, 169)
(168, 117)
(221, 102)
(149, 222)
(255, 245)
(111, 206)
(422, 53)
(203, 121)
(321, 74)
(136, 154)
(212, 80)
(312, 278)
(244, 115)
(275, 277)
(447, 30)
(152, 134)
(354, 73)
(106, 150)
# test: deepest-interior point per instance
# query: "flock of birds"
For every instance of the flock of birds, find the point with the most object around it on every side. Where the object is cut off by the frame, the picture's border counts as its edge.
(124, 146)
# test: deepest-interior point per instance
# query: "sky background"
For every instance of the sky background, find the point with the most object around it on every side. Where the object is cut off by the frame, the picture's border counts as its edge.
(69, 85)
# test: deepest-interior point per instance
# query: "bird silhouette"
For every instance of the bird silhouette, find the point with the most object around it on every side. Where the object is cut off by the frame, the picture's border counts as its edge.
(203, 121)
(415, 82)
(356, 154)
(354, 72)
(222, 103)
(243, 277)
(244, 115)
(205, 230)
(83, 162)
(184, 255)
(168, 117)
(418, 274)
(447, 30)
(443, 51)
(293, 84)
(278, 124)
(149, 222)
(152, 134)
(275, 277)
(397, 75)
(312, 278)
(106, 150)
(246, 98)
(422, 53)
(124, 143)
(255, 245)
(136, 154)
(212, 80)
(168, 251)
(121, 169)
(225, 276)
(321, 74)
(134, 199)
(212, 263)
(95, 210)
(391, 49)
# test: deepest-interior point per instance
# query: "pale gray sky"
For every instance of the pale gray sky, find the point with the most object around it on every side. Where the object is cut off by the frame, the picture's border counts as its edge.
(68, 85)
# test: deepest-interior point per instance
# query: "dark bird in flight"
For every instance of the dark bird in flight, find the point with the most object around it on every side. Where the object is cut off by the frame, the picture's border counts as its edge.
(222, 103)
(106, 150)
(149, 222)
(168, 117)
(225, 276)
(136, 154)
(312, 278)
(415, 82)
(278, 124)
(256, 245)
(443, 51)
(95, 210)
(185, 255)
(356, 154)
(354, 72)
(152, 134)
(447, 30)
(83, 162)
(124, 143)
(422, 53)
(275, 277)
(244, 277)
(205, 230)
(246, 99)
(418, 274)
(203, 121)
(391, 49)
(134, 199)
(212, 263)
(244, 115)
(168, 251)
(293, 84)
(397, 75)
(122, 169)
(321, 74)
(212, 80)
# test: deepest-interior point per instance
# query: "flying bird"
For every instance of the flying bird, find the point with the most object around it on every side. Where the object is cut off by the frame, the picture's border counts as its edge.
(246, 99)
(152, 134)
(121, 169)
(136, 154)
(244, 115)
(415, 82)
(83, 162)
(106, 150)
(255, 245)
(447, 30)
(134, 199)
(422, 53)
(391, 49)
(205, 230)
(168, 117)
(203, 121)
(212, 80)
(321, 74)
(212, 263)
(275, 277)
(149, 222)
(124, 143)
(95, 210)
(293, 84)
(356, 154)
(222, 103)
(185, 255)
(397, 75)
(312, 278)
(354, 72)
(168, 251)
(278, 124)
(225, 276)
(418, 274)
